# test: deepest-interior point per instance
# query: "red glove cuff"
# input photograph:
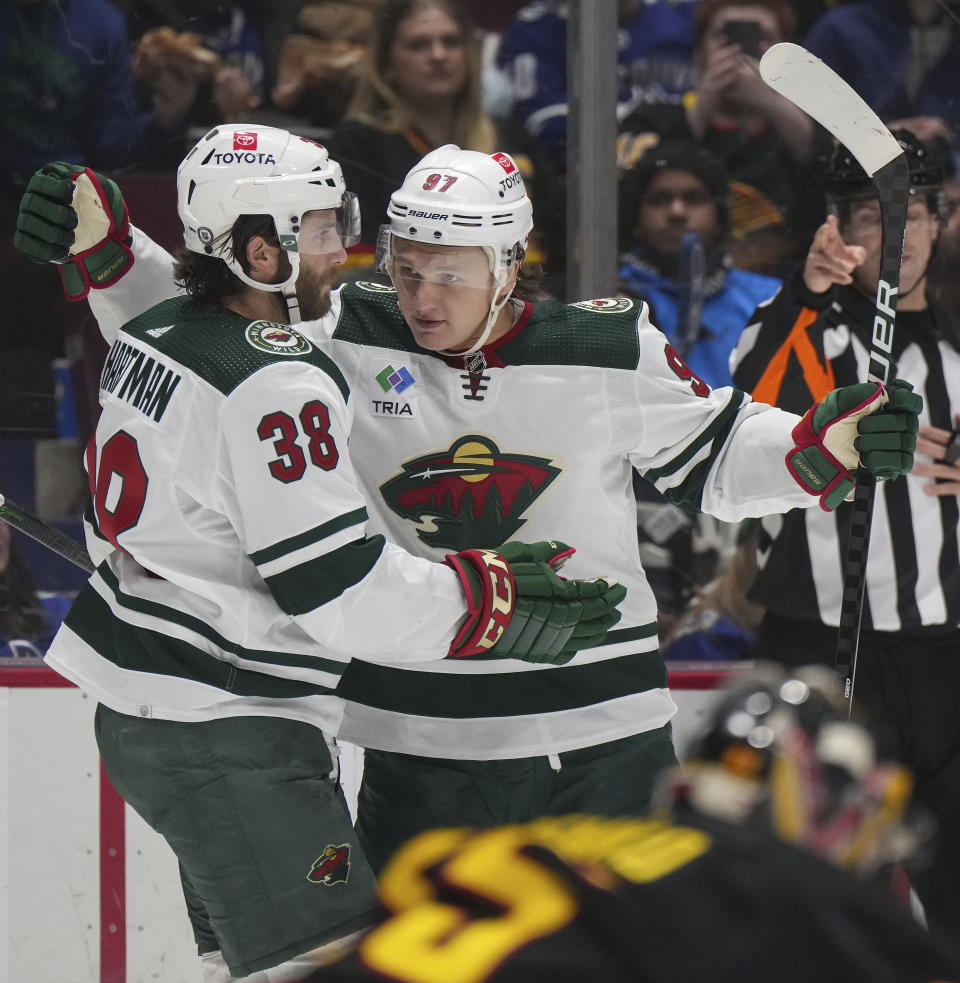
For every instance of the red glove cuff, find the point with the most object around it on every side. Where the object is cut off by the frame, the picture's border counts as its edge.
(808, 478)
(490, 591)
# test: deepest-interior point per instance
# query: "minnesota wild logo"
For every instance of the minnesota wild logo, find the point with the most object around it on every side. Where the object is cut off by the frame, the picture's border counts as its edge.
(605, 305)
(374, 288)
(332, 866)
(277, 339)
(470, 495)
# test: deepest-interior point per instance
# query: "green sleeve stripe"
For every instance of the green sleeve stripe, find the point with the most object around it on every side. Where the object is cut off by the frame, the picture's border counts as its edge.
(464, 696)
(145, 650)
(688, 495)
(164, 613)
(309, 537)
(89, 513)
(333, 370)
(310, 585)
(619, 635)
(720, 425)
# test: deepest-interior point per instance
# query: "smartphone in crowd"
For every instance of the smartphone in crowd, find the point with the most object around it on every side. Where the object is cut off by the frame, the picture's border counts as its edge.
(746, 33)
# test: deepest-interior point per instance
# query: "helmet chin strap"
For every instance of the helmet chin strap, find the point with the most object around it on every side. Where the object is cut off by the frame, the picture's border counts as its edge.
(288, 286)
(293, 304)
(495, 307)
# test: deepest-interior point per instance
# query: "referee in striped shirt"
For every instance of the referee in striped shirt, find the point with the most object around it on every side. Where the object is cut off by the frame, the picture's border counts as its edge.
(812, 336)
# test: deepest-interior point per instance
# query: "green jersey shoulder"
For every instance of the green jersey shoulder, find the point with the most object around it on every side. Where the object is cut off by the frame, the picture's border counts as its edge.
(600, 333)
(221, 347)
(370, 315)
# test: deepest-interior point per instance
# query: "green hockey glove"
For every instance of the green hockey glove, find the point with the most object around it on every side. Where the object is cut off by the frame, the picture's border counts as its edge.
(834, 438)
(519, 607)
(888, 439)
(77, 218)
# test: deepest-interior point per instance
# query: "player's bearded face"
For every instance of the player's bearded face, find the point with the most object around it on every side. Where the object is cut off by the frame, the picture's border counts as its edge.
(321, 253)
(444, 292)
(317, 277)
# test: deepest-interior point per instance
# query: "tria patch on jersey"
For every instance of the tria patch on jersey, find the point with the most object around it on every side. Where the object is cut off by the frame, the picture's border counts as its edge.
(395, 379)
(605, 305)
(392, 382)
(394, 408)
(471, 494)
(332, 866)
(374, 288)
(277, 339)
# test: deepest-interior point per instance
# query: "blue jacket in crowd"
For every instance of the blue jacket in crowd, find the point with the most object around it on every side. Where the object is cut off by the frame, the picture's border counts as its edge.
(732, 297)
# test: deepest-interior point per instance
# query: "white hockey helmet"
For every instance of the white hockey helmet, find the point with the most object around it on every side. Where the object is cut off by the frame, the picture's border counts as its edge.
(246, 169)
(457, 197)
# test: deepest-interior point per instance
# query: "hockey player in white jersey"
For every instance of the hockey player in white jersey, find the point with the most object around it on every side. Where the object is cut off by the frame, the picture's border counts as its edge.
(237, 570)
(478, 415)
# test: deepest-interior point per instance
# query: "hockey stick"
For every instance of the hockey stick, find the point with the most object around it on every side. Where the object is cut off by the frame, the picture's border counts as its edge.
(45, 534)
(810, 84)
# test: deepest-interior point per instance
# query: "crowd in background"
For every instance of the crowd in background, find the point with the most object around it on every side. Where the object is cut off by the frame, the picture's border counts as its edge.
(720, 188)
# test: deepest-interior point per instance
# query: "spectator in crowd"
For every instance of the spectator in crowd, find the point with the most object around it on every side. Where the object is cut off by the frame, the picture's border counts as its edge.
(654, 58)
(946, 260)
(813, 335)
(321, 59)
(766, 837)
(206, 66)
(674, 228)
(421, 89)
(721, 622)
(246, 33)
(673, 203)
(902, 56)
(766, 143)
(28, 621)
(65, 87)
(66, 93)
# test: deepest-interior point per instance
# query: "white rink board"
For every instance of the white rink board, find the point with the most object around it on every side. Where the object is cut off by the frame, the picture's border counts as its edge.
(50, 849)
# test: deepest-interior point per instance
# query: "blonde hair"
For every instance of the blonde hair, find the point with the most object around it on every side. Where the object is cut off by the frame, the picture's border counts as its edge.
(726, 594)
(377, 103)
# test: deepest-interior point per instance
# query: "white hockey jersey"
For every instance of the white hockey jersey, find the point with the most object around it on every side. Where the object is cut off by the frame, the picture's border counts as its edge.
(236, 573)
(540, 446)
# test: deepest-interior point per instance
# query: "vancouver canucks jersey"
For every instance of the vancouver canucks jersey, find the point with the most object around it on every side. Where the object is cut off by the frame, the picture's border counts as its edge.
(541, 445)
(575, 898)
(236, 572)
